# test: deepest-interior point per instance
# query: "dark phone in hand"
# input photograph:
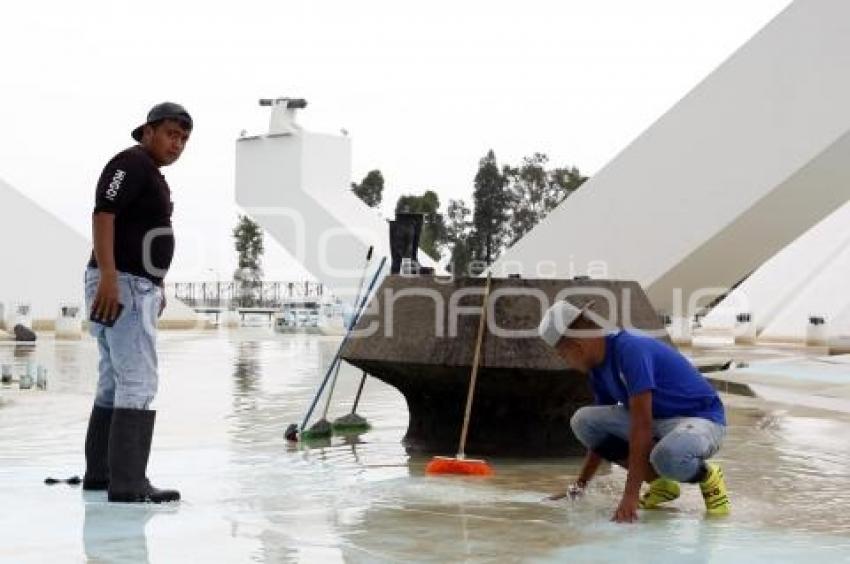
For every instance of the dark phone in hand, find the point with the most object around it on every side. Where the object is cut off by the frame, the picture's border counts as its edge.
(105, 322)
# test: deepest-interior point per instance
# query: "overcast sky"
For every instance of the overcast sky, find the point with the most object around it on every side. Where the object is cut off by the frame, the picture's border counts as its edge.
(425, 89)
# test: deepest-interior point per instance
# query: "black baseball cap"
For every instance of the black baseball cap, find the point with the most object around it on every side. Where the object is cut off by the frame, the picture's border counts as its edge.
(165, 110)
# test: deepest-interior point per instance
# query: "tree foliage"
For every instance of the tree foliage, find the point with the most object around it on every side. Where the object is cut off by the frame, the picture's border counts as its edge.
(507, 202)
(370, 189)
(248, 240)
(458, 227)
(491, 201)
(535, 191)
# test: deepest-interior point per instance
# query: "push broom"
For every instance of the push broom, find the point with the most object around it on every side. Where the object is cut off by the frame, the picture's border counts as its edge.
(292, 432)
(353, 423)
(322, 429)
(460, 464)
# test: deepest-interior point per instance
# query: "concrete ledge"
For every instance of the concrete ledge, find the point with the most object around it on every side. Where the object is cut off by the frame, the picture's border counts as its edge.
(173, 324)
(185, 324)
(730, 387)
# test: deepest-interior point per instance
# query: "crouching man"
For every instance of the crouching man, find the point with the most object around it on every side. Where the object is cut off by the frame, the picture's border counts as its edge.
(654, 413)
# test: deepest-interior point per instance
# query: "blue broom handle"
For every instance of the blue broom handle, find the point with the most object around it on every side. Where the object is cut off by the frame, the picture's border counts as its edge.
(351, 324)
(336, 358)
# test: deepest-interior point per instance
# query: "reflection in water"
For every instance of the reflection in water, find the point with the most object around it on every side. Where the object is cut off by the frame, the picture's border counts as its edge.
(24, 352)
(364, 496)
(115, 532)
(363, 499)
(70, 370)
(246, 375)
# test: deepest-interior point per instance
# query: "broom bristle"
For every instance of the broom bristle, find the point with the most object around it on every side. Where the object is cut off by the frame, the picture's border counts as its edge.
(351, 424)
(468, 466)
(320, 430)
(351, 429)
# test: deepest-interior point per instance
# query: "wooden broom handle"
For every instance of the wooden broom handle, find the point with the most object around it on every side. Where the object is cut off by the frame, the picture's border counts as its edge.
(481, 327)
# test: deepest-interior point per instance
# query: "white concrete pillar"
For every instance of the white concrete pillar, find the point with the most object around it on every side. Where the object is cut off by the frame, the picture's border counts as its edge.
(745, 328)
(230, 319)
(817, 331)
(69, 322)
(680, 330)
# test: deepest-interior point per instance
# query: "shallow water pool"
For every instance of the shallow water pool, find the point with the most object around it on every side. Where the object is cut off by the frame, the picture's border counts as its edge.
(225, 400)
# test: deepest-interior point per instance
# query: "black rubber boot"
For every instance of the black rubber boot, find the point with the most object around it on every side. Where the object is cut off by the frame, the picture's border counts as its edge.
(97, 447)
(129, 448)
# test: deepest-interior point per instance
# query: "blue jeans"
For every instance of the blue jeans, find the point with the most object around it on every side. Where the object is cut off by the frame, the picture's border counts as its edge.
(682, 443)
(127, 372)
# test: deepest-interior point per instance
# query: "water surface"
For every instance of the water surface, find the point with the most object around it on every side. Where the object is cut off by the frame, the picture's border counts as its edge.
(225, 400)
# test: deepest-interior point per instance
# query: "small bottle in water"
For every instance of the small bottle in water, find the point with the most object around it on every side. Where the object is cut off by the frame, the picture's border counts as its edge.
(27, 377)
(41, 378)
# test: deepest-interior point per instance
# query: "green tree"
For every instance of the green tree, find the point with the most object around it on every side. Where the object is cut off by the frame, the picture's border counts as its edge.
(433, 236)
(492, 203)
(562, 183)
(457, 220)
(370, 189)
(458, 224)
(528, 185)
(535, 191)
(248, 240)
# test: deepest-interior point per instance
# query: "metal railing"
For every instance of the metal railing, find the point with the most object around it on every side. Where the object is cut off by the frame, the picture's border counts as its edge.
(229, 294)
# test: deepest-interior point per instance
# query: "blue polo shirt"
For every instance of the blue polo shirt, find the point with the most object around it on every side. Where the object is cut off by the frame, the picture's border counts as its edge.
(635, 363)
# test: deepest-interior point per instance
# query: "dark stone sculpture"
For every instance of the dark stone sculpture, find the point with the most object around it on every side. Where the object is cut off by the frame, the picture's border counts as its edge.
(404, 239)
(525, 394)
(24, 334)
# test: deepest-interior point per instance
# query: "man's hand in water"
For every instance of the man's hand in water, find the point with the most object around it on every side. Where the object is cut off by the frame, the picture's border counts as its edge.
(575, 491)
(627, 510)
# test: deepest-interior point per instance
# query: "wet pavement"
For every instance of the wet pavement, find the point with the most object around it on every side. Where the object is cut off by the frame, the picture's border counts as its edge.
(225, 400)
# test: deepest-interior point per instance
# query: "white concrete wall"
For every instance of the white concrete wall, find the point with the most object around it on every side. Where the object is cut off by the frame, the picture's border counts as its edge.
(824, 295)
(785, 277)
(747, 161)
(297, 187)
(42, 260)
(177, 315)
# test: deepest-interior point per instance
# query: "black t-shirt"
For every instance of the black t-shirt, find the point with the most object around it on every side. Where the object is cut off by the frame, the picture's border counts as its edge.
(132, 188)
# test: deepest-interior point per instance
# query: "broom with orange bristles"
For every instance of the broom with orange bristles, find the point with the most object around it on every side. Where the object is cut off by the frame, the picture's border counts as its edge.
(460, 464)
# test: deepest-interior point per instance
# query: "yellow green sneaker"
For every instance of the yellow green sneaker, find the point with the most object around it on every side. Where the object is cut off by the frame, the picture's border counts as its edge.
(714, 491)
(661, 490)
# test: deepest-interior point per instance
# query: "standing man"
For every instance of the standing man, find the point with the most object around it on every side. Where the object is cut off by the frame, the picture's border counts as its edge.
(655, 414)
(133, 247)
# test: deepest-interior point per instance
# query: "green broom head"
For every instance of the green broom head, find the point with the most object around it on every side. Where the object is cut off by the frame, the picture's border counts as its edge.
(351, 424)
(321, 429)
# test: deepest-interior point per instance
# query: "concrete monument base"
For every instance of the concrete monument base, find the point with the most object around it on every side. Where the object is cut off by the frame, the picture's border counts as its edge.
(418, 335)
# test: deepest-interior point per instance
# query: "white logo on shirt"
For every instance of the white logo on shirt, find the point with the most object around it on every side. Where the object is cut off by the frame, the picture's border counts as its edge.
(115, 185)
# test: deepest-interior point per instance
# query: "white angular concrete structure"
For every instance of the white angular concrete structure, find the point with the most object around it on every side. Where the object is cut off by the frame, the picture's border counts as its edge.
(825, 297)
(296, 184)
(43, 260)
(178, 315)
(753, 156)
(43, 265)
(807, 278)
